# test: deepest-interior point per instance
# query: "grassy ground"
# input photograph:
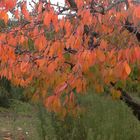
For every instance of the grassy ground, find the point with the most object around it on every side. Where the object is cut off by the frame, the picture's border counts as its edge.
(105, 120)
(19, 121)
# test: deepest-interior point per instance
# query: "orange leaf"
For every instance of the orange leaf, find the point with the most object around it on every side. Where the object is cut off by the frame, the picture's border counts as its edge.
(99, 88)
(77, 43)
(68, 28)
(137, 53)
(127, 68)
(47, 18)
(79, 3)
(24, 66)
(10, 4)
(40, 6)
(100, 55)
(72, 97)
(4, 16)
(56, 105)
(52, 66)
(41, 42)
(103, 44)
(49, 102)
(115, 93)
(61, 87)
(16, 13)
(25, 12)
(137, 12)
(41, 62)
(12, 41)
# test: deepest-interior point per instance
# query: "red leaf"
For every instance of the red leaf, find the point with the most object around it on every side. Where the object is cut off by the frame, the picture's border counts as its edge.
(10, 4)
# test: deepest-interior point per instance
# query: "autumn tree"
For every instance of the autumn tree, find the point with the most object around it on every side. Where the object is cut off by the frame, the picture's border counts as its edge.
(95, 44)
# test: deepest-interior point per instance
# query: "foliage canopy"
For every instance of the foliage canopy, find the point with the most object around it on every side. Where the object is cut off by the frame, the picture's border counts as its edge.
(95, 44)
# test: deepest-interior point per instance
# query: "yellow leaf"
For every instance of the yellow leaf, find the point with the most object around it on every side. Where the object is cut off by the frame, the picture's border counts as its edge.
(115, 93)
(127, 68)
(99, 88)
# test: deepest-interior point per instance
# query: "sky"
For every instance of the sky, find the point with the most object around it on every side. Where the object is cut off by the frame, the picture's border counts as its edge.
(60, 2)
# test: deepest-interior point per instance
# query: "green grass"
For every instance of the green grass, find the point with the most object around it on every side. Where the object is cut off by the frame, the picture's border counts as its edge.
(104, 120)
(110, 120)
(19, 120)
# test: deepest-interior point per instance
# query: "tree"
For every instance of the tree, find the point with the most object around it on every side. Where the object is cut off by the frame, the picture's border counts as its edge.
(95, 45)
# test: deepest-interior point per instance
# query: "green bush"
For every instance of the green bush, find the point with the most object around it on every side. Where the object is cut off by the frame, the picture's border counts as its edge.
(104, 119)
(8, 92)
(5, 95)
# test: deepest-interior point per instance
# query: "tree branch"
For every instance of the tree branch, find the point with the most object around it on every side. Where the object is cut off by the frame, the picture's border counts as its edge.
(125, 97)
(102, 10)
(132, 29)
(72, 4)
(116, 3)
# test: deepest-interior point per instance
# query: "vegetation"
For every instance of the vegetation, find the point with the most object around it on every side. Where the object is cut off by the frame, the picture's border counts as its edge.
(101, 52)
(104, 120)
(48, 65)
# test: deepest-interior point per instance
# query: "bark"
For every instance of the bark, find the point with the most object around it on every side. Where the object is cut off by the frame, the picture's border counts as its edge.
(125, 97)
(72, 4)
(132, 29)
(132, 104)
